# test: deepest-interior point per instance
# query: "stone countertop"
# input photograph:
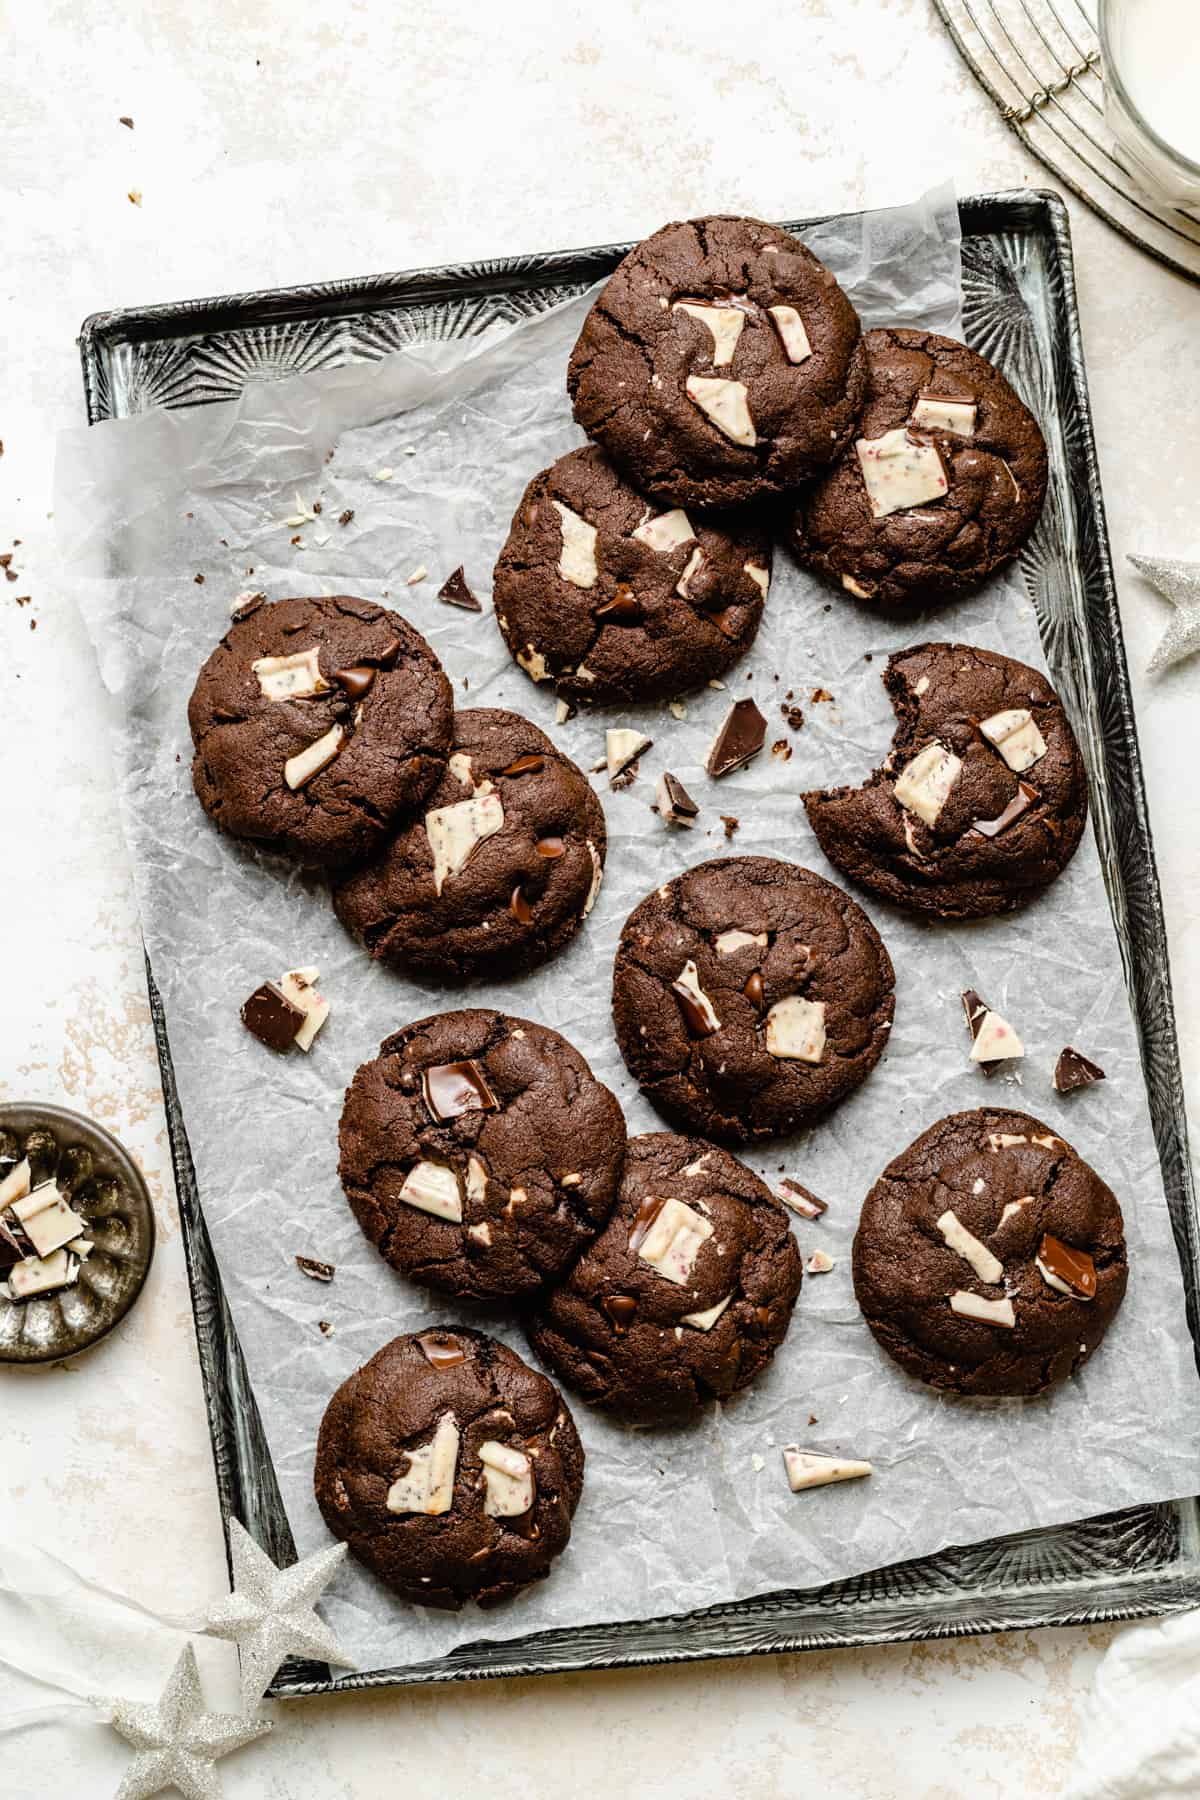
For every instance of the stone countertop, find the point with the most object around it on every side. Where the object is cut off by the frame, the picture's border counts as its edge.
(314, 143)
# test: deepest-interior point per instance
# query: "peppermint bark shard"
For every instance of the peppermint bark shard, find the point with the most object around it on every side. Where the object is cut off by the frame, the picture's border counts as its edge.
(1075, 1070)
(740, 738)
(811, 1468)
(674, 804)
(427, 1485)
(993, 1038)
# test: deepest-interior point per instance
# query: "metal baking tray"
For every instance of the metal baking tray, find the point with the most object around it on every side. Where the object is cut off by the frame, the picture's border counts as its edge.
(1020, 310)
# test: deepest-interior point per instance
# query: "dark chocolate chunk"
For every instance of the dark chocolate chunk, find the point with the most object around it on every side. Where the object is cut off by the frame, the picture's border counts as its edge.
(316, 1271)
(1021, 801)
(623, 609)
(441, 1348)
(679, 803)
(12, 1251)
(271, 1017)
(450, 1089)
(1074, 1070)
(1074, 1267)
(355, 682)
(620, 1309)
(740, 738)
(455, 592)
(525, 765)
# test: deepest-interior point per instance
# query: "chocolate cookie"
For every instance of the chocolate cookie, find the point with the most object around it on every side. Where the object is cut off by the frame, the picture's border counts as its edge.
(479, 1153)
(750, 996)
(943, 483)
(451, 1468)
(611, 599)
(684, 1297)
(500, 871)
(990, 1259)
(721, 364)
(982, 800)
(318, 724)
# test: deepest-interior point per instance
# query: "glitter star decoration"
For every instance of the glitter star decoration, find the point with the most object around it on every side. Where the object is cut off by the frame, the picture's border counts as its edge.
(1178, 582)
(178, 1744)
(269, 1614)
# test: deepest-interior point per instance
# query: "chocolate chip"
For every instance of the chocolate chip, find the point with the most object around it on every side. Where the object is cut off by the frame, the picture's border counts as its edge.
(550, 847)
(620, 1309)
(623, 609)
(355, 682)
(455, 592)
(441, 1348)
(753, 990)
(520, 908)
(525, 765)
(450, 1089)
(270, 1016)
(386, 658)
(316, 1271)
(740, 738)
(1074, 1070)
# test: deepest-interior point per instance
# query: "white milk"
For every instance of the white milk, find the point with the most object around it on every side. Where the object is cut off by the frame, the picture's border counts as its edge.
(1155, 45)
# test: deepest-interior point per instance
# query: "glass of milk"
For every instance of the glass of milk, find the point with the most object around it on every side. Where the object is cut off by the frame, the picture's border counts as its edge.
(1151, 51)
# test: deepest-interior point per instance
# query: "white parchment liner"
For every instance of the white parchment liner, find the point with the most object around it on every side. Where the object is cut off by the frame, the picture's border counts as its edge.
(669, 1520)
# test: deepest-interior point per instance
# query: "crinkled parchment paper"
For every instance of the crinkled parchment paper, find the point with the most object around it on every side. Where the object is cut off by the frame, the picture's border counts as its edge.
(145, 507)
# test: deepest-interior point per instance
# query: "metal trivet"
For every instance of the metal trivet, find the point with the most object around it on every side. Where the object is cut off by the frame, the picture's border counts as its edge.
(1039, 63)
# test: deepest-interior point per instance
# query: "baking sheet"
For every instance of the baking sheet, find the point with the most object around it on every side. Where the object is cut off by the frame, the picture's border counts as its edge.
(143, 506)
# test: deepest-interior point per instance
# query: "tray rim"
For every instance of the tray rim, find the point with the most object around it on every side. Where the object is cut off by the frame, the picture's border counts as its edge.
(1134, 1595)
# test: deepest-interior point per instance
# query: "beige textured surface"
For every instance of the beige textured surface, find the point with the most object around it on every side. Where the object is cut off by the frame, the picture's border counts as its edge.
(295, 142)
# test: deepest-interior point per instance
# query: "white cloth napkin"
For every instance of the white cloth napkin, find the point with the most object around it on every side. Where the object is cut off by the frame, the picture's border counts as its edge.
(1141, 1730)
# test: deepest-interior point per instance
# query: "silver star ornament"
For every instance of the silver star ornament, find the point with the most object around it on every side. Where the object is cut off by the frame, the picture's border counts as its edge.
(1178, 582)
(178, 1744)
(269, 1614)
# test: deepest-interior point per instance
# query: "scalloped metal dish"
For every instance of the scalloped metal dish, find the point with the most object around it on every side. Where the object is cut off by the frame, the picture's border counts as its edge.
(1020, 310)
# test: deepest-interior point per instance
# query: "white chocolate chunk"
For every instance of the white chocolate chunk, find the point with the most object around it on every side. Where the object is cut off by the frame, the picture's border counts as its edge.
(759, 576)
(533, 663)
(291, 677)
(433, 1188)
(46, 1219)
(989, 1268)
(462, 768)
(455, 832)
(1000, 1140)
(934, 414)
(704, 1321)
(723, 322)
(577, 558)
(1050, 1142)
(792, 335)
(667, 532)
(673, 1242)
(16, 1183)
(988, 1312)
(597, 878)
(924, 785)
(516, 1197)
(698, 1167)
(40, 1275)
(995, 1040)
(688, 979)
(819, 1263)
(1016, 736)
(695, 563)
(922, 686)
(796, 1029)
(306, 763)
(729, 941)
(726, 404)
(899, 473)
(855, 587)
(300, 986)
(476, 1179)
(427, 1485)
(621, 747)
(508, 1480)
(810, 1469)
(482, 1234)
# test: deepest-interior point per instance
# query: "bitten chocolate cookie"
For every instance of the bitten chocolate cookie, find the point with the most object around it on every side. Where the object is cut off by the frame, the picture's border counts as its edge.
(480, 1153)
(318, 724)
(982, 800)
(500, 871)
(750, 996)
(611, 599)
(943, 483)
(684, 1297)
(990, 1259)
(451, 1468)
(721, 364)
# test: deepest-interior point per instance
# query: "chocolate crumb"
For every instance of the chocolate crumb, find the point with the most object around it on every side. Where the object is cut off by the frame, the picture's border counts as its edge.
(794, 716)
(318, 506)
(325, 1327)
(781, 747)
(126, 121)
(345, 518)
(199, 580)
(820, 696)
(316, 1271)
(730, 823)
